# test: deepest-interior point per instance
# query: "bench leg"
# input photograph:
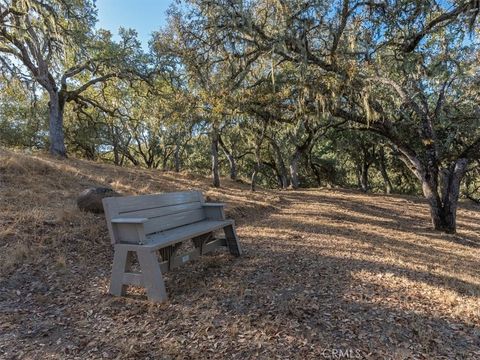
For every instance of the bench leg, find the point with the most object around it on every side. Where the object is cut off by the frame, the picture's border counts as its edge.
(152, 276)
(232, 240)
(121, 263)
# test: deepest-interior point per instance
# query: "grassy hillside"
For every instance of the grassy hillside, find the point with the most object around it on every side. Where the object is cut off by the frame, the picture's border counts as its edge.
(39, 212)
(322, 270)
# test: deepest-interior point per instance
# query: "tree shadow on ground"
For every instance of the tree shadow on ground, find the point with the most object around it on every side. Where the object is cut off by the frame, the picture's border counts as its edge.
(392, 217)
(311, 303)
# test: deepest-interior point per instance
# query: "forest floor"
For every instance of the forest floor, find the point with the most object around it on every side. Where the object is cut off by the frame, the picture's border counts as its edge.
(326, 273)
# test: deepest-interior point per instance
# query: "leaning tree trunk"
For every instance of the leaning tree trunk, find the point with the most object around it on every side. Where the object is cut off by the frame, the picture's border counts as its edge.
(215, 167)
(231, 159)
(166, 156)
(280, 179)
(233, 167)
(129, 156)
(56, 106)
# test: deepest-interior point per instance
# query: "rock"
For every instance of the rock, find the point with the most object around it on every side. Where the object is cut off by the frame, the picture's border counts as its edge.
(91, 199)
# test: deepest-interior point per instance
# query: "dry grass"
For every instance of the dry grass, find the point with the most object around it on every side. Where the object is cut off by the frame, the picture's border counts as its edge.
(323, 270)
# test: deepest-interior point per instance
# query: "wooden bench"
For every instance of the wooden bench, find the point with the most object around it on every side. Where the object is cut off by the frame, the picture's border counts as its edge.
(152, 225)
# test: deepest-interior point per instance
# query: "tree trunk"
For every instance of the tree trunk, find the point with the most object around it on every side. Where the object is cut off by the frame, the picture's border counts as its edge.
(284, 180)
(166, 156)
(295, 182)
(215, 169)
(442, 219)
(443, 205)
(315, 171)
(90, 152)
(254, 178)
(150, 162)
(233, 167)
(130, 157)
(383, 171)
(116, 155)
(177, 158)
(436, 208)
(56, 106)
(362, 175)
(279, 177)
(258, 162)
(231, 159)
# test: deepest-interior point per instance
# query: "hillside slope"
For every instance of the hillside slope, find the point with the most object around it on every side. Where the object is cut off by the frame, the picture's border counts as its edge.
(38, 202)
(322, 270)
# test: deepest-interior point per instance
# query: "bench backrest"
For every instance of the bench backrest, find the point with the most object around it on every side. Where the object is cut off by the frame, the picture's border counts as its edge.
(163, 211)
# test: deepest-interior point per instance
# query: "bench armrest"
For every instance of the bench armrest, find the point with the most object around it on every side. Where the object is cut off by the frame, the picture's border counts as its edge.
(126, 220)
(214, 211)
(129, 230)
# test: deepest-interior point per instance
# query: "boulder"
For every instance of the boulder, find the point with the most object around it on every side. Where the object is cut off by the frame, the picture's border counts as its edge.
(91, 199)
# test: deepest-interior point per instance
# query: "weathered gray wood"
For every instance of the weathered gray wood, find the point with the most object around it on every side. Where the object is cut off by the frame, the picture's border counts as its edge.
(170, 237)
(184, 258)
(131, 233)
(163, 210)
(121, 264)
(129, 220)
(232, 240)
(166, 238)
(152, 276)
(214, 211)
(180, 260)
(109, 214)
(133, 279)
(126, 204)
(161, 222)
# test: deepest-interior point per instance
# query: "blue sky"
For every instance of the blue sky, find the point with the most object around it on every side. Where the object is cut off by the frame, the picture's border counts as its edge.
(145, 16)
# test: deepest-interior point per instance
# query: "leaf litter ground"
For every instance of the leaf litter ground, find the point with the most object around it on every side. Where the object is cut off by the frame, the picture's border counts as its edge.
(326, 272)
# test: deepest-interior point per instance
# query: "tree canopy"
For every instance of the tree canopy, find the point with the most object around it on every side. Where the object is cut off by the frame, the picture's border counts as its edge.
(379, 95)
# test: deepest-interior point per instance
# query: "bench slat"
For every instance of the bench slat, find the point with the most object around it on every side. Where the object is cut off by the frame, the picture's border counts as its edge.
(163, 210)
(168, 222)
(129, 220)
(127, 204)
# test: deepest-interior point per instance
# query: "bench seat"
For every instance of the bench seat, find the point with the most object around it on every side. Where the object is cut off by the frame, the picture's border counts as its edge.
(172, 236)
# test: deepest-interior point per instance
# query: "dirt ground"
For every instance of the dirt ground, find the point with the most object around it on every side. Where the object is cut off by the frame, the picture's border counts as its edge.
(332, 274)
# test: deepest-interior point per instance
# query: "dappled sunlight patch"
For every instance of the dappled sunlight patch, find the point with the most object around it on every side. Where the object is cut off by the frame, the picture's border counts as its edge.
(390, 290)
